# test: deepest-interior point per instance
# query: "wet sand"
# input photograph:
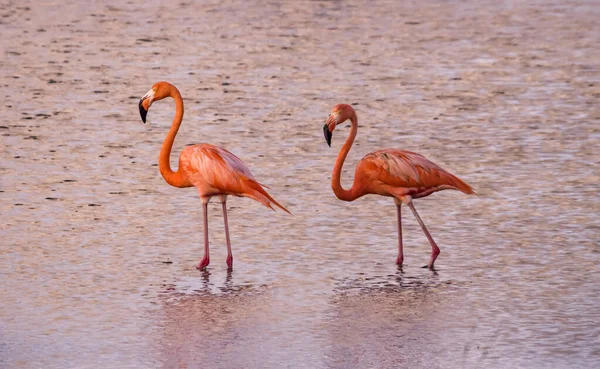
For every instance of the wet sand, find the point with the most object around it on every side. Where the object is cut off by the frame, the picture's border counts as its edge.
(98, 252)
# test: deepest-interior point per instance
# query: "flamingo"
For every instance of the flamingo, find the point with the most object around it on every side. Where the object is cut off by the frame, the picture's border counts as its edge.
(214, 171)
(400, 174)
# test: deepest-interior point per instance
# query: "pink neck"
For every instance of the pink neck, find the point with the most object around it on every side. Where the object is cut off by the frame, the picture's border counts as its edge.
(177, 179)
(354, 192)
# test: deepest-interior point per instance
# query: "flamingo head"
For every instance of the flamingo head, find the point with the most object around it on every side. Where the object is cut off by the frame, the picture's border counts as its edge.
(339, 114)
(159, 91)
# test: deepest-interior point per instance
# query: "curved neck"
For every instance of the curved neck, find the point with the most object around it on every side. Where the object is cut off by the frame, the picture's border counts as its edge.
(177, 179)
(354, 192)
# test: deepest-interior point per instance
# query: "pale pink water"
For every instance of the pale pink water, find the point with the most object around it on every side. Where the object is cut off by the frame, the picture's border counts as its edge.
(98, 252)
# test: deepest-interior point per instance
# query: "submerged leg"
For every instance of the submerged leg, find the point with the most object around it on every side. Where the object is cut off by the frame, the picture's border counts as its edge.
(206, 259)
(435, 250)
(400, 258)
(229, 254)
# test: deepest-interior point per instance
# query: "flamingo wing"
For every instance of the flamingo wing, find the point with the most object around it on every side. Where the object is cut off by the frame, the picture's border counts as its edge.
(216, 171)
(406, 169)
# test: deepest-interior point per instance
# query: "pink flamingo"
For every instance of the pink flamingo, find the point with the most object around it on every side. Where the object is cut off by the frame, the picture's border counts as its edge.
(212, 170)
(403, 175)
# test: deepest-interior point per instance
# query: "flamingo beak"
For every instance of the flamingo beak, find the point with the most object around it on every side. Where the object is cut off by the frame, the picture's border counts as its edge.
(143, 111)
(145, 103)
(328, 134)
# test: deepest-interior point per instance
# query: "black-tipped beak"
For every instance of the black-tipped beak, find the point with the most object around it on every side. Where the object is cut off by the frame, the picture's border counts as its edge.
(143, 112)
(328, 134)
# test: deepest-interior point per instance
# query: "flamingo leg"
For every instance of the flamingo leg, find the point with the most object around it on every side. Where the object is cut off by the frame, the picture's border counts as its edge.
(400, 258)
(229, 254)
(206, 259)
(435, 250)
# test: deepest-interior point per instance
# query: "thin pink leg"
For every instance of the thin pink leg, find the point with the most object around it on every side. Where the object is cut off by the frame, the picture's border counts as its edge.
(206, 259)
(400, 258)
(435, 250)
(229, 254)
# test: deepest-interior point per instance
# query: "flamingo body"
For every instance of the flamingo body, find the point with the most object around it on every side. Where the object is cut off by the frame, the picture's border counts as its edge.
(214, 171)
(403, 175)
(398, 173)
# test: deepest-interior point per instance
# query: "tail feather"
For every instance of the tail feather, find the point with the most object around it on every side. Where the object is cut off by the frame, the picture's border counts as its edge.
(460, 185)
(258, 193)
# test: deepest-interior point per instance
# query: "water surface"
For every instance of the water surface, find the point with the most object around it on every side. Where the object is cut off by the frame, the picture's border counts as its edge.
(98, 252)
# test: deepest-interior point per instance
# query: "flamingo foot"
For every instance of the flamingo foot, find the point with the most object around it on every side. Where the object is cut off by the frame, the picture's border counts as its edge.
(229, 263)
(203, 264)
(399, 260)
(434, 255)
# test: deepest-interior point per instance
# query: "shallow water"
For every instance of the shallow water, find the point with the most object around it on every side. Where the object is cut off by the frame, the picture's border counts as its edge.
(98, 252)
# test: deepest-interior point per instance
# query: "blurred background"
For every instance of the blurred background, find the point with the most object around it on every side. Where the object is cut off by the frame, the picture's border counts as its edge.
(98, 253)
